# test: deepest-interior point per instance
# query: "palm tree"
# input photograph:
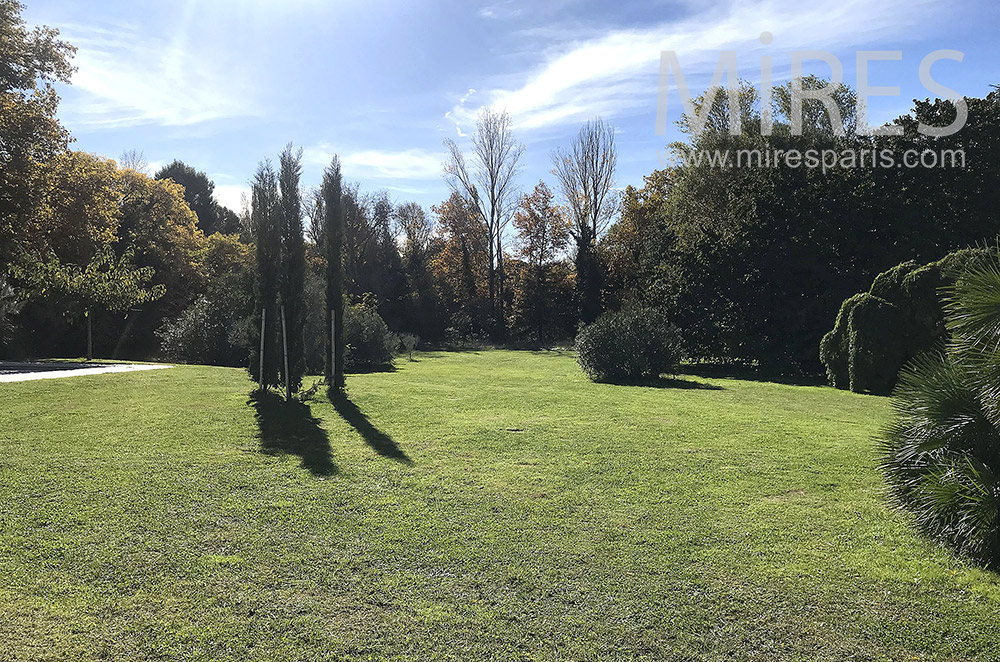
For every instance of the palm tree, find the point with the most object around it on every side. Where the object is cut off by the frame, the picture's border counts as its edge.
(941, 453)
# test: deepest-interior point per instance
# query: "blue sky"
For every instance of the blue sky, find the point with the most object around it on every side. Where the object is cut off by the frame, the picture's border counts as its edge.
(221, 84)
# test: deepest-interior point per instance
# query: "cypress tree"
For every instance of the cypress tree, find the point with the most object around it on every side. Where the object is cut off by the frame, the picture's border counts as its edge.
(264, 218)
(293, 267)
(334, 233)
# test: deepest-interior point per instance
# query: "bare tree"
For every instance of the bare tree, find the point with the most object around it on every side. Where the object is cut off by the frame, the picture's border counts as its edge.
(586, 176)
(489, 186)
(134, 159)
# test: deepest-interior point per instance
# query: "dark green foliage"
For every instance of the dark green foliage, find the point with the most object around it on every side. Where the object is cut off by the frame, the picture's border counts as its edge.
(877, 344)
(333, 233)
(835, 348)
(903, 317)
(293, 267)
(630, 344)
(941, 454)
(369, 342)
(199, 193)
(198, 335)
(266, 222)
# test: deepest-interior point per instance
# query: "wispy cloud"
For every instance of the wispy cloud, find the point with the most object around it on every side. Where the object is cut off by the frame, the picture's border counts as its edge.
(128, 78)
(409, 164)
(615, 73)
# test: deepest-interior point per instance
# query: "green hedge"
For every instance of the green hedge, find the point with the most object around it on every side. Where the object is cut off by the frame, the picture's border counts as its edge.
(877, 332)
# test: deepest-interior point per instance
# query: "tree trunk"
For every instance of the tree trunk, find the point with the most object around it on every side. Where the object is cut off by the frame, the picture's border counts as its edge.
(90, 336)
(263, 326)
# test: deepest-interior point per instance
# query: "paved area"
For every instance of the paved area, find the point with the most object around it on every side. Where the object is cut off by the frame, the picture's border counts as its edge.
(23, 372)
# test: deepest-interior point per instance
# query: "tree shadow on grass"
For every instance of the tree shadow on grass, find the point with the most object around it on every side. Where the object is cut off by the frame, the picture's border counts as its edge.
(752, 374)
(380, 442)
(665, 382)
(289, 428)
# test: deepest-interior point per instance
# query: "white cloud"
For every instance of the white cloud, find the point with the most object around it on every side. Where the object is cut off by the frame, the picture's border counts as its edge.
(616, 72)
(409, 164)
(231, 195)
(125, 78)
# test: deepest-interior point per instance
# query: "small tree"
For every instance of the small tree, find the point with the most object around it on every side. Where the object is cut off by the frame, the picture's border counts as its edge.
(333, 232)
(106, 283)
(265, 219)
(293, 268)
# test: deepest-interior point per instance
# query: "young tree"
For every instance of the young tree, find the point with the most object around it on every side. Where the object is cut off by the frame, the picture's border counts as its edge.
(542, 234)
(490, 188)
(293, 308)
(333, 205)
(266, 221)
(586, 175)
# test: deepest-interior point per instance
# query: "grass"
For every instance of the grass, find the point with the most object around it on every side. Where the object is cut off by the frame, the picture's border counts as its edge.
(467, 506)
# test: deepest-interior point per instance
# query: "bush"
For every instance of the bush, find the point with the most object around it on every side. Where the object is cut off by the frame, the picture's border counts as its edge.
(369, 341)
(902, 316)
(877, 345)
(627, 345)
(408, 342)
(201, 334)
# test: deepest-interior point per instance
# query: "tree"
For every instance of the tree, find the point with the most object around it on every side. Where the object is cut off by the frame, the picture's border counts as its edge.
(106, 282)
(293, 307)
(134, 159)
(30, 135)
(586, 176)
(489, 187)
(542, 234)
(266, 221)
(333, 231)
(460, 263)
(199, 192)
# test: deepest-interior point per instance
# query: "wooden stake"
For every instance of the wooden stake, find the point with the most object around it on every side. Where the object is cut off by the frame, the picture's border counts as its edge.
(263, 317)
(90, 337)
(284, 342)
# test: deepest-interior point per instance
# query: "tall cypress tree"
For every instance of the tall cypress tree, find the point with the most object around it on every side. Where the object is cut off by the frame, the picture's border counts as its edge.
(293, 267)
(264, 218)
(334, 233)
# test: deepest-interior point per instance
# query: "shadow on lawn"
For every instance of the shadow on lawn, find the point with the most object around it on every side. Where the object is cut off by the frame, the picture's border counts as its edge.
(666, 382)
(289, 428)
(752, 374)
(381, 442)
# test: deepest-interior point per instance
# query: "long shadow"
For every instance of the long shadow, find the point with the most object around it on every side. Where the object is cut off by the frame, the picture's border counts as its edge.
(665, 382)
(289, 428)
(380, 442)
(751, 374)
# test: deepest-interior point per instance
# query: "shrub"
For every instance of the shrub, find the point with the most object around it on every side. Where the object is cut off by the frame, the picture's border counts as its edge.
(200, 334)
(627, 345)
(408, 342)
(941, 453)
(877, 345)
(906, 299)
(369, 341)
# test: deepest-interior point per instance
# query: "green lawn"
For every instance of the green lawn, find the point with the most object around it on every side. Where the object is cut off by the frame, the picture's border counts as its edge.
(466, 506)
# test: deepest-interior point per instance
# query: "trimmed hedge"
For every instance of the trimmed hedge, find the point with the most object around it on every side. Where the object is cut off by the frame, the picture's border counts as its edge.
(900, 317)
(630, 344)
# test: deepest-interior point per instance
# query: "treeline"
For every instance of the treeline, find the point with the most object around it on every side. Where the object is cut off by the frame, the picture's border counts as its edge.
(751, 264)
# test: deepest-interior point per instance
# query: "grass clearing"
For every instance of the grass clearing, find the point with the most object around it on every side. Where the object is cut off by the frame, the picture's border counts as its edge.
(466, 506)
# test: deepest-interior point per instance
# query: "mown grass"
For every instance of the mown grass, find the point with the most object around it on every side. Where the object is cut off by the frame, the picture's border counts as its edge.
(491, 505)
